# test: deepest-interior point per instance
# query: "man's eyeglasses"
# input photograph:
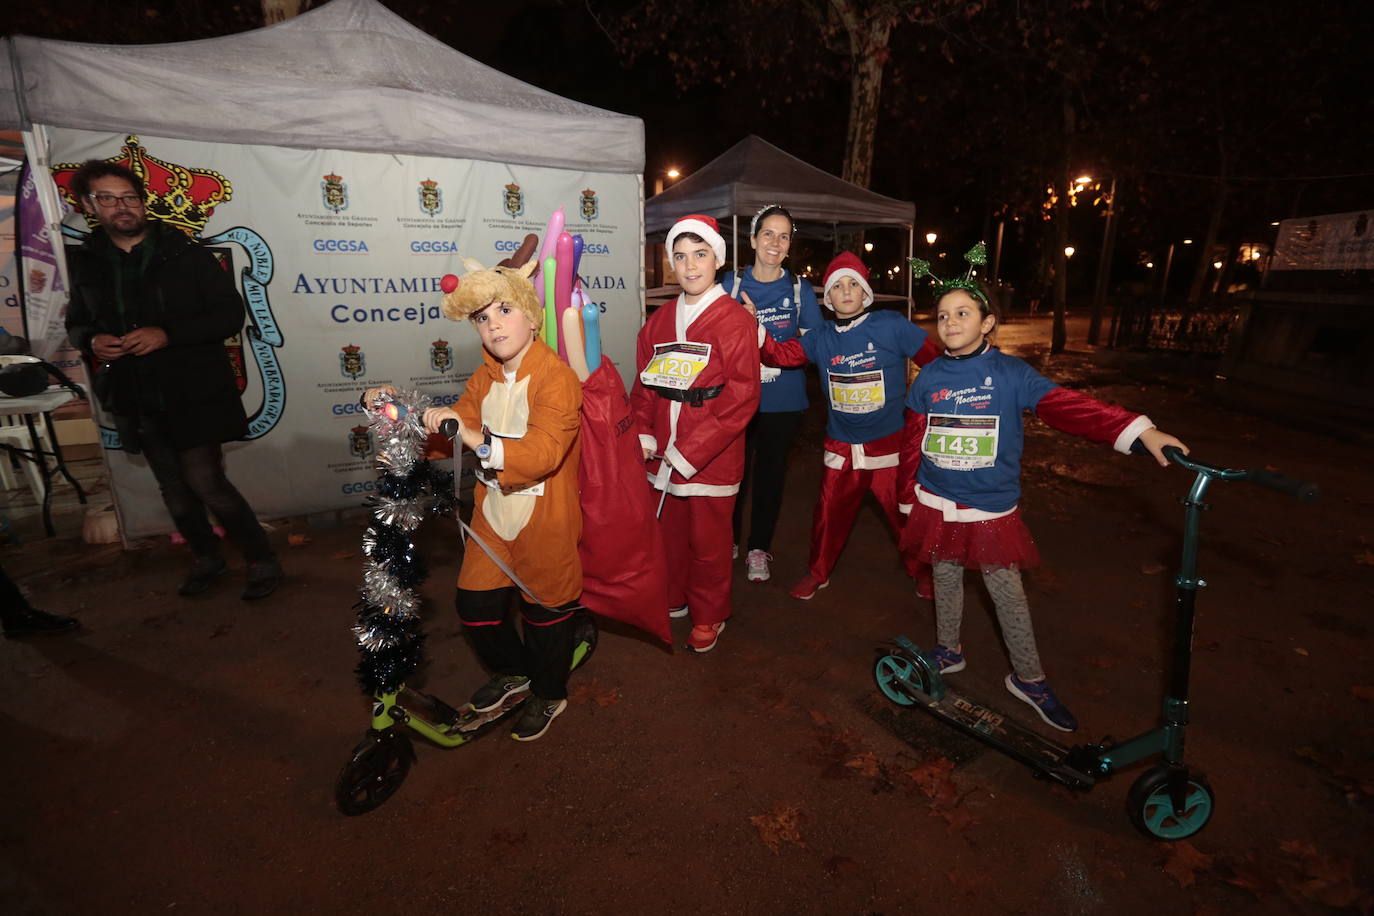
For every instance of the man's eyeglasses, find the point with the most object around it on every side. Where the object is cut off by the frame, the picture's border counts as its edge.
(106, 200)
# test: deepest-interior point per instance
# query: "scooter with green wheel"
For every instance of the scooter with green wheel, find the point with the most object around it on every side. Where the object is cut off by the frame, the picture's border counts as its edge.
(388, 626)
(381, 761)
(1170, 800)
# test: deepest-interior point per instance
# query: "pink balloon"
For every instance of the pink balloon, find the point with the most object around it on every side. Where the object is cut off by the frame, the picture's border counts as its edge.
(563, 284)
(551, 233)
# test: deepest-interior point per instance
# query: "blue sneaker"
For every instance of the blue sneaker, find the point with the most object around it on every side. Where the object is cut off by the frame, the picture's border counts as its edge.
(946, 660)
(1042, 699)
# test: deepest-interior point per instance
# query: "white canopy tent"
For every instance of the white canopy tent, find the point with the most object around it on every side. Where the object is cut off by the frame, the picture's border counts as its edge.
(350, 75)
(427, 155)
(754, 173)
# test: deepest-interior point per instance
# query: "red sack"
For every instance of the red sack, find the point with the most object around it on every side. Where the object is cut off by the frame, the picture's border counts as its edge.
(624, 573)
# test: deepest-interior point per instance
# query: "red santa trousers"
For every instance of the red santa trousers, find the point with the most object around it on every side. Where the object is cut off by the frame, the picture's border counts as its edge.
(697, 538)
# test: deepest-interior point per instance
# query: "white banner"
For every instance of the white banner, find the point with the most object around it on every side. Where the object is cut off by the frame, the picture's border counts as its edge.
(1340, 241)
(339, 256)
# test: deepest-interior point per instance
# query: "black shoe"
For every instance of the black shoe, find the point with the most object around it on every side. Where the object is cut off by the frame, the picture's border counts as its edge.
(495, 691)
(204, 572)
(33, 622)
(535, 718)
(263, 579)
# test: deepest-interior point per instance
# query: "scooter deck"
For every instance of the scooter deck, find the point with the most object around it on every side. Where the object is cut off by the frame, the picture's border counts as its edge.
(464, 720)
(992, 727)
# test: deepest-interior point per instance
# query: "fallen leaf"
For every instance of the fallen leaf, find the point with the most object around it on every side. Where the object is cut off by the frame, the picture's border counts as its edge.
(1362, 692)
(866, 763)
(781, 825)
(1183, 861)
(1151, 569)
(343, 555)
(592, 691)
(955, 818)
(818, 717)
(1365, 558)
(297, 539)
(1302, 651)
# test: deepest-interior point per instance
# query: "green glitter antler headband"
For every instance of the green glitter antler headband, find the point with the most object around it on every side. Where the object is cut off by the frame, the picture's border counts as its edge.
(977, 256)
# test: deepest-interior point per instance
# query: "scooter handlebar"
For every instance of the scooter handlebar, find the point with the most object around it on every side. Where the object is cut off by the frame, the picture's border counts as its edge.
(449, 428)
(1301, 490)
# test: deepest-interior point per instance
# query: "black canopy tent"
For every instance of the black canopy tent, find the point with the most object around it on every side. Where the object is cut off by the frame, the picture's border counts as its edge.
(754, 173)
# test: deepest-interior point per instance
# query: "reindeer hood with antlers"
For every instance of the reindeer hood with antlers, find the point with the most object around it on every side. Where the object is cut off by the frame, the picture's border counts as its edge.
(481, 286)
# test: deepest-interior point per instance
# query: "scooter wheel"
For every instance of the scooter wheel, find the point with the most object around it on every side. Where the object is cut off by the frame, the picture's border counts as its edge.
(585, 634)
(1152, 810)
(378, 767)
(889, 670)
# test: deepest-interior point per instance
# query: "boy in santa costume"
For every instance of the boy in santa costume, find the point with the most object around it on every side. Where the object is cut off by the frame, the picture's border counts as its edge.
(697, 389)
(862, 357)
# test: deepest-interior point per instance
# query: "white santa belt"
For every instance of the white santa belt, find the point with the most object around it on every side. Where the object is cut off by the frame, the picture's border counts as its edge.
(951, 511)
(859, 459)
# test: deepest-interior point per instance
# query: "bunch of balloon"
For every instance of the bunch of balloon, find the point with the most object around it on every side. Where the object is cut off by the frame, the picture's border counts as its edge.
(571, 320)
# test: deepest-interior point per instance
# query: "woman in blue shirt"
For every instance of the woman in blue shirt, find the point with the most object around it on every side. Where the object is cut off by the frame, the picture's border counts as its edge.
(786, 306)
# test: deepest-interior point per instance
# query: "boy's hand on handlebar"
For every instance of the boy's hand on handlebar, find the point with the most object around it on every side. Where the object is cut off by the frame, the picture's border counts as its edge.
(435, 417)
(1156, 439)
(371, 395)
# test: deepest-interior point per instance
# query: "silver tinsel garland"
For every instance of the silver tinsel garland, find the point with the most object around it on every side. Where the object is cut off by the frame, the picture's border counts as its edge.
(388, 627)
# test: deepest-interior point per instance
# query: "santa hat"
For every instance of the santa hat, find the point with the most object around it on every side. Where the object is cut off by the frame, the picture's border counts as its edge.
(704, 226)
(847, 264)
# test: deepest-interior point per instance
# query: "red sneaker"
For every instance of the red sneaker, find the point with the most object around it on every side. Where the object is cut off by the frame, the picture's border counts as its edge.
(807, 587)
(704, 636)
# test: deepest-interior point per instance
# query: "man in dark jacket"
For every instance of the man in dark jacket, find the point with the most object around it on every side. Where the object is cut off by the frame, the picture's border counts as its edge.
(153, 309)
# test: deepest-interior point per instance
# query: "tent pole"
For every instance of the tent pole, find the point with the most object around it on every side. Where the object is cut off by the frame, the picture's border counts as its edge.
(910, 253)
(734, 241)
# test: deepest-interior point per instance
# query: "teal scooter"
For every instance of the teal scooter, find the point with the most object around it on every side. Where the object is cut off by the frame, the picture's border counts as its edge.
(1169, 801)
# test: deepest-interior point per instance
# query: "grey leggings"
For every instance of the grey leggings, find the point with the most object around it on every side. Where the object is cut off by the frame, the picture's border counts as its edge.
(1013, 613)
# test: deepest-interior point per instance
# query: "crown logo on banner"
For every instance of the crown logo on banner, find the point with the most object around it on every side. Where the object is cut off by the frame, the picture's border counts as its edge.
(182, 196)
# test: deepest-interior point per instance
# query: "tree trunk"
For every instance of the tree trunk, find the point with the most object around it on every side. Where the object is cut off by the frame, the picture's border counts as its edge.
(868, 52)
(1059, 335)
(274, 11)
(1204, 263)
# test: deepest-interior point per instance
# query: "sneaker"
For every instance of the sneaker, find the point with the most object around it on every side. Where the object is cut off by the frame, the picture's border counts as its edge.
(946, 660)
(263, 579)
(1042, 699)
(32, 622)
(535, 718)
(704, 637)
(678, 612)
(497, 690)
(203, 573)
(756, 565)
(808, 586)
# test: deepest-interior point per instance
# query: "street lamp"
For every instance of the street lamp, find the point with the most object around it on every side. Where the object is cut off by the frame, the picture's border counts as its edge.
(868, 246)
(1068, 251)
(674, 174)
(930, 238)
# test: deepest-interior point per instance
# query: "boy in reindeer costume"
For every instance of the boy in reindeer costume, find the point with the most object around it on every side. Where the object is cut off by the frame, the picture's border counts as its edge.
(696, 391)
(520, 414)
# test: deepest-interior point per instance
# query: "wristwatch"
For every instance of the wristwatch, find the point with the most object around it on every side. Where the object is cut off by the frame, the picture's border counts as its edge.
(484, 450)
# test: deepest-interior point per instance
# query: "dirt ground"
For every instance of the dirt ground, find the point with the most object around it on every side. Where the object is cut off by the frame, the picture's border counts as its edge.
(180, 755)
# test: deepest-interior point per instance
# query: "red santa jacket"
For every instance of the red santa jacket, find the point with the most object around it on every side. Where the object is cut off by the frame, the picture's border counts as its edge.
(717, 366)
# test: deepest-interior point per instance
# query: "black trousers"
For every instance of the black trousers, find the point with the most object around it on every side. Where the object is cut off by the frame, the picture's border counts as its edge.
(192, 480)
(13, 604)
(545, 655)
(767, 441)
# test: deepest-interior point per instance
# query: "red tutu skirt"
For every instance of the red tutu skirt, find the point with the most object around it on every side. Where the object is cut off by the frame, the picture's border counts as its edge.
(1000, 542)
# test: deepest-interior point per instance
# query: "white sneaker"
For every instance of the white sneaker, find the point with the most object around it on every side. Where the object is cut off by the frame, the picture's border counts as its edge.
(756, 565)
(678, 612)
